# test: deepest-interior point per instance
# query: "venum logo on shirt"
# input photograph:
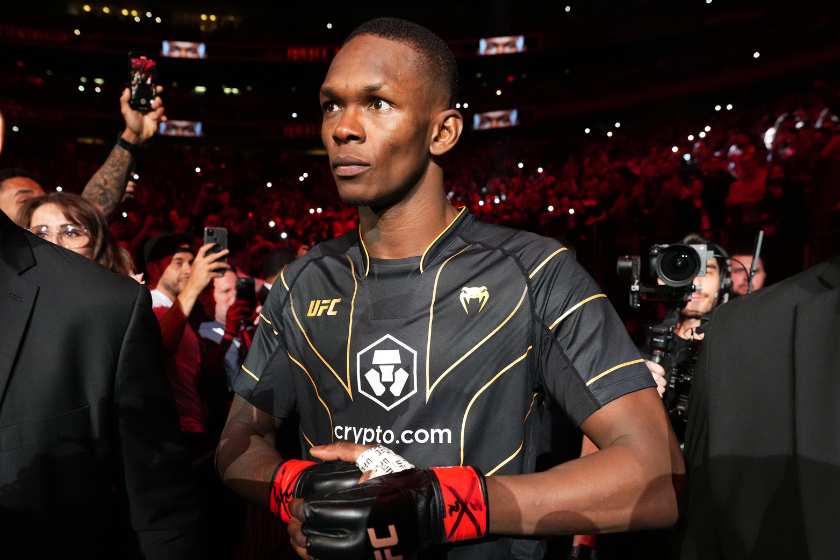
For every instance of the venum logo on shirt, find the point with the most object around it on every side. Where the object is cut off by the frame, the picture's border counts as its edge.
(386, 372)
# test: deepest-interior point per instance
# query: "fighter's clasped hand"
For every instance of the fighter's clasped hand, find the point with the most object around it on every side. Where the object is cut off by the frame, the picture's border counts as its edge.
(393, 515)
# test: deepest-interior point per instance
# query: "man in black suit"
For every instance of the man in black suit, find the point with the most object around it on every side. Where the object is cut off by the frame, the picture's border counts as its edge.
(763, 439)
(91, 461)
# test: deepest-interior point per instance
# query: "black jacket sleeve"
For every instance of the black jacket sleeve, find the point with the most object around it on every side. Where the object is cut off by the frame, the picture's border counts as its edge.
(162, 501)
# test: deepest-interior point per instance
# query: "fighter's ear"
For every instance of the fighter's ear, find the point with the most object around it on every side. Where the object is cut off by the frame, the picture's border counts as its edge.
(448, 127)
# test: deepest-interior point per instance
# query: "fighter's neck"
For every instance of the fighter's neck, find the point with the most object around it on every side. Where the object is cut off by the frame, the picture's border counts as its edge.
(407, 228)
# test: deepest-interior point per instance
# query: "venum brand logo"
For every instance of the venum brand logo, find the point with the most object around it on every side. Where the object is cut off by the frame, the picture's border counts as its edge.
(318, 306)
(386, 372)
(384, 544)
(480, 293)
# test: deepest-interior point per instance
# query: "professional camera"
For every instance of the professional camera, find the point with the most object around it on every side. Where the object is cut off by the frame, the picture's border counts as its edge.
(676, 266)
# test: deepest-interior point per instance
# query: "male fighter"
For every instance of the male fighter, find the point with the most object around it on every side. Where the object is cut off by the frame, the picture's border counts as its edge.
(437, 336)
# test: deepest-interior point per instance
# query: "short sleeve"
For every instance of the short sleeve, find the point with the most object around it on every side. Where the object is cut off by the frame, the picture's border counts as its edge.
(265, 378)
(586, 356)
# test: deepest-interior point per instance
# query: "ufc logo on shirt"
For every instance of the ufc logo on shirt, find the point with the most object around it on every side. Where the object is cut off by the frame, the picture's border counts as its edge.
(318, 306)
(391, 540)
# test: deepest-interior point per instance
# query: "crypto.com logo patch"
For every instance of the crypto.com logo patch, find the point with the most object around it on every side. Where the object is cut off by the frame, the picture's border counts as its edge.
(386, 372)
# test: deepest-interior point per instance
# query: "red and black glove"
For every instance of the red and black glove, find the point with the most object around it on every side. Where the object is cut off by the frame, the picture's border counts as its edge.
(397, 514)
(300, 479)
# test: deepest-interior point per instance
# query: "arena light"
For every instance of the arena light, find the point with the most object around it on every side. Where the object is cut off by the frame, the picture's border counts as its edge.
(551, 208)
(319, 210)
(227, 90)
(609, 134)
(284, 235)
(200, 89)
(329, 26)
(212, 17)
(268, 184)
(702, 135)
(708, 1)
(203, 17)
(690, 137)
(306, 174)
(271, 223)
(686, 157)
(717, 107)
(756, 54)
(618, 125)
(157, 19)
(497, 200)
(708, 129)
(498, 91)
(137, 19)
(124, 12)
(571, 210)
(15, 129)
(234, 91)
(539, 169)
(134, 13)
(77, 32)
(520, 165)
(148, 14)
(466, 105)
(198, 170)
(457, 105)
(729, 107)
(568, 9)
(86, 8)
(311, 210)
(294, 115)
(675, 149)
(136, 176)
(125, 214)
(81, 88)
(106, 9)
(586, 130)
(300, 178)
(481, 203)
(99, 81)
(97, 89)
(59, 189)
(83, 80)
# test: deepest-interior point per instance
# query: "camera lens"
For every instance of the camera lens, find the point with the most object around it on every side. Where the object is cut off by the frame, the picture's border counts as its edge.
(677, 265)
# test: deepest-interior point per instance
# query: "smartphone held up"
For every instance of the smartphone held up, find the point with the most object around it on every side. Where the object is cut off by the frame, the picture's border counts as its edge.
(142, 68)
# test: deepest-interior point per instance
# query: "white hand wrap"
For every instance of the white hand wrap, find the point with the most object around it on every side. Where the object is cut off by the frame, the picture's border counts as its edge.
(381, 460)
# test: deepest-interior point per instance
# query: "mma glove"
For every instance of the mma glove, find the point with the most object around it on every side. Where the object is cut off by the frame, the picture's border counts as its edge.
(300, 479)
(397, 514)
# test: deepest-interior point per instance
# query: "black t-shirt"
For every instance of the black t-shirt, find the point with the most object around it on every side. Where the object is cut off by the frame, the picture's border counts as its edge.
(441, 358)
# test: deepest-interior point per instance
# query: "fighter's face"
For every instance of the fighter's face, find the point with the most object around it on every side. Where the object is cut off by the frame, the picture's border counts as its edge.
(501, 45)
(377, 121)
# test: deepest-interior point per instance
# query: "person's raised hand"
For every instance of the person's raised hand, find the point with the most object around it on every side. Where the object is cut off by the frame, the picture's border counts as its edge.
(238, 312)
(658, 373)
(139, 127)
(206, 267)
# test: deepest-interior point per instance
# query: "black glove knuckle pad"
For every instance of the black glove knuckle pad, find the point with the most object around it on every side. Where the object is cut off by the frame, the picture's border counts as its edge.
(327, 478)
(397, 512)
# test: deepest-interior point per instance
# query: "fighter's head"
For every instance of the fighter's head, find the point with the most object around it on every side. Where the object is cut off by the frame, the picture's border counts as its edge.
(388, 110)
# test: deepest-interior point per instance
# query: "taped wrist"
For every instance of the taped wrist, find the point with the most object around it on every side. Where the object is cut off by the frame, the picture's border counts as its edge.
(283, 486)
(463, 499)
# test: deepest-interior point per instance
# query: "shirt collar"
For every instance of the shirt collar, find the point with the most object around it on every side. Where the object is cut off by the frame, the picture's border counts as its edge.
(441, 241)
(160, 300)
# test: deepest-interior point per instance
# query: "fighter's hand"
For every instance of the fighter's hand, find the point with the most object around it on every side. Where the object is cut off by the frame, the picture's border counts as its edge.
(339, 451)
(139, 127)
(658, 373)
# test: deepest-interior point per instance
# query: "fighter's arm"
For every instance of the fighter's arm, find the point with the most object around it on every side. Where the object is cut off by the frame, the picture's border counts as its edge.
(246, 458)
(635, 481)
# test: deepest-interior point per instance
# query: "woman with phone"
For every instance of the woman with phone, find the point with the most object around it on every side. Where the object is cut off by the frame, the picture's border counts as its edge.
(74, 223)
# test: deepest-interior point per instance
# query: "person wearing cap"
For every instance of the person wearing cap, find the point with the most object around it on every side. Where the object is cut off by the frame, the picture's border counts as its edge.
(177, 276)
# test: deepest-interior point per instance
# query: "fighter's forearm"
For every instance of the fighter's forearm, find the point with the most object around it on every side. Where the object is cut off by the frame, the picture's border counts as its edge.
(617, 489)
(107, 186)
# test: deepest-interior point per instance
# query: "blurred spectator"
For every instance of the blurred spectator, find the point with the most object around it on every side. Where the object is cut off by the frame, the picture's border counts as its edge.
(177, 278)
(274, 263)
(741, 264)
(225, 337)
(72, 222)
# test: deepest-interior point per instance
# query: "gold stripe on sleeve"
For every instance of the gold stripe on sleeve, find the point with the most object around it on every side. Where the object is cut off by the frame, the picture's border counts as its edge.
(469, 406)
(317, 394)
(249, 373)
(619, 366)
(567, 313)
(264, 319)
(283, 278)
(542, 264)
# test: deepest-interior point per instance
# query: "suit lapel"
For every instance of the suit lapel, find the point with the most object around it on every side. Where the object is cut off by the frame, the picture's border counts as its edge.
(17, 296)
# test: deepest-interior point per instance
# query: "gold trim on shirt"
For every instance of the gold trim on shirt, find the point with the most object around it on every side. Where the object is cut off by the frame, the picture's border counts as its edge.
(542, 264)
(566, 314)
(249, 373)
(352, 308)
(317, 394)
(423, 257)
(506, 461)
(619, 366)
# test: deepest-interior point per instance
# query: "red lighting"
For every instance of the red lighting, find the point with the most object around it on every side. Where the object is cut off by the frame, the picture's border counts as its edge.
(20, 64)
(250, 214)
(223, 166)
(510, 78)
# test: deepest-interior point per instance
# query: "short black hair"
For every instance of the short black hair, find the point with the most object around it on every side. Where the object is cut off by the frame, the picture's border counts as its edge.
(439, 64)
(12, 172)
(275, 260)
